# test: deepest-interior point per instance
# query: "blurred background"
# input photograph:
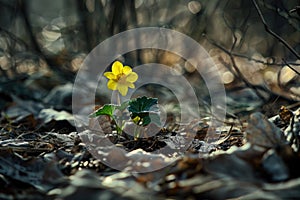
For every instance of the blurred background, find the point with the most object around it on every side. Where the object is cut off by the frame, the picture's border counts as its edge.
(43, 43)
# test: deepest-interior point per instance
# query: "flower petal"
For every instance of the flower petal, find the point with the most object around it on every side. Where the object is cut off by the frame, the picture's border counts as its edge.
(131, 85)
(132, 77)
(117, 68)
(123, 89)
(110, 75)
(112, 85)
(127, 70)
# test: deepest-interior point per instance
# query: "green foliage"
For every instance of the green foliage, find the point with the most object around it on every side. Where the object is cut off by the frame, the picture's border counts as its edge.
(107, 109)
(143, 111)
(146, 109)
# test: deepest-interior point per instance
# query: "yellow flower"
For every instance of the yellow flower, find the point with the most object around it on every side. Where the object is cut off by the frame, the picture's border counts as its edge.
(120, 78)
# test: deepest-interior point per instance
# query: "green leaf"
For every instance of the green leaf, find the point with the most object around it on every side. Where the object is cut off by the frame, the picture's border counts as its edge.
(145, 108)
(153, 117)
(142, 104)
(107, 109)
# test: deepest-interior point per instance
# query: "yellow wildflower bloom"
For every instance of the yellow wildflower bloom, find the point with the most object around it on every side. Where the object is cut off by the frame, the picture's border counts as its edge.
(120, 78)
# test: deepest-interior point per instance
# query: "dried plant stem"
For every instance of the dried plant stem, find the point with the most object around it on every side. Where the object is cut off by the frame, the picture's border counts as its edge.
(272, 32)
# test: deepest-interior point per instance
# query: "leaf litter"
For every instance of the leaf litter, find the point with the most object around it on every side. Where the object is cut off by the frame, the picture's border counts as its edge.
(42, 156)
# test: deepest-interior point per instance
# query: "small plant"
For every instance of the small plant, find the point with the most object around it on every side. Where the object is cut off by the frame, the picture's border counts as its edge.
(142, 110)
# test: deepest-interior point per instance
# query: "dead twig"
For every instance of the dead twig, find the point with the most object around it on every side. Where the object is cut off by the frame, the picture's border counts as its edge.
(261, 61)
(238, 73)
(273, 33)
(292, 68)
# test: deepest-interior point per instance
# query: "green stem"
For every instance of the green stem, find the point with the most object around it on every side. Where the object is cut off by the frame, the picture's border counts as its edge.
(118, 99)
(136, 132)
(119, 121)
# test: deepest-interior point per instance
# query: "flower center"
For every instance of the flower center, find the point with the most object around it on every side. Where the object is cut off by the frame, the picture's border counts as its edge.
(121, 78)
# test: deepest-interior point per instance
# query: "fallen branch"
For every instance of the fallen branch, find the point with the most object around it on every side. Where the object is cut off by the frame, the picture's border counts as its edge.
(273, 33)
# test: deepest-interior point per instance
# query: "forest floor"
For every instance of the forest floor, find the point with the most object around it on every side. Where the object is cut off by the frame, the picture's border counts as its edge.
(43, 156)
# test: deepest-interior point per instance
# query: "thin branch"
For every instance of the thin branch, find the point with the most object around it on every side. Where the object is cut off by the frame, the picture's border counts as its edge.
(83, 18)
(261, 61)
(24, 13)
(254, 87)
(296, 9)
(238, 73)
(292, 68)
(242, 27)
(284, 13)
(273, 33)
